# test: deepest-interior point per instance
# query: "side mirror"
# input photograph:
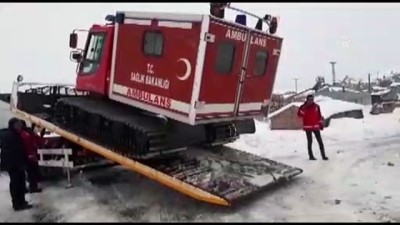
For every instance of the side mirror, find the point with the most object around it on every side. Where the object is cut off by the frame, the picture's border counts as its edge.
(73, 40)
(76, 56)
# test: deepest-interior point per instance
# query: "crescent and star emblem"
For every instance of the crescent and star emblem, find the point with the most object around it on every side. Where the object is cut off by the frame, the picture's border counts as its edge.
(188, 69)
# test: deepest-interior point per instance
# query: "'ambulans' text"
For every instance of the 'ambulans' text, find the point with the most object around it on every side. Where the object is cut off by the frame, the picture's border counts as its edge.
(153, 99)
(241, 36)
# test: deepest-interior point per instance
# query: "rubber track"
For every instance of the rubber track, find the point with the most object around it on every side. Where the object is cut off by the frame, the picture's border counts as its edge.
(152, 127)
(115, 112)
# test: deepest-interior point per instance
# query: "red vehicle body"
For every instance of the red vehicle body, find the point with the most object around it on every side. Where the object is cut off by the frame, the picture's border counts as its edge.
(196, 69)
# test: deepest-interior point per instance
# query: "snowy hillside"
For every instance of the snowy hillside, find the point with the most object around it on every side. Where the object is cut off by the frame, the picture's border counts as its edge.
(359, 183)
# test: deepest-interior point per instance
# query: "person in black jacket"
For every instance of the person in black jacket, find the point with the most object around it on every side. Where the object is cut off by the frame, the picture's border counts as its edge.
(14, 161)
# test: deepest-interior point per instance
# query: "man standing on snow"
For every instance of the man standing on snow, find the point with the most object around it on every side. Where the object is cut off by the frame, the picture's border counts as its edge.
(313, 122)
(14, 161)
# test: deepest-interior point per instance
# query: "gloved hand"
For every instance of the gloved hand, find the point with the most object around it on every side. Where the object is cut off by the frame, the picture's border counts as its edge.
(32, 158)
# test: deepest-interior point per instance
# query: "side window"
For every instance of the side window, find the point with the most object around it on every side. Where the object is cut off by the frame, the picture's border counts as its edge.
(93, 52)
(261, 62)
(225, 58)
(153, 43)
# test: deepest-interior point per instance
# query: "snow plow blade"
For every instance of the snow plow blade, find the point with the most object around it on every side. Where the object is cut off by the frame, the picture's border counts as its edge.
(219, 177)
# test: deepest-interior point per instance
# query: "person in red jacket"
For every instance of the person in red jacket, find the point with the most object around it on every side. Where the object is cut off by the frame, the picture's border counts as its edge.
(313, 122)
(31, 142)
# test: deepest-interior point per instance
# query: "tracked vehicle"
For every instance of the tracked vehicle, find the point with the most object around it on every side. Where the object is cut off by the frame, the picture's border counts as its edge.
(161, 93)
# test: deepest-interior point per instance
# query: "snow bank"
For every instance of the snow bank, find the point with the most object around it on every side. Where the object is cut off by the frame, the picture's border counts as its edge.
(288, 95)
(281, 91)
(340, 89)
(299, 94)
(297, 104)
(331, 106)
(395, 84)
(328, 106)
(381, 92)
(378, 88)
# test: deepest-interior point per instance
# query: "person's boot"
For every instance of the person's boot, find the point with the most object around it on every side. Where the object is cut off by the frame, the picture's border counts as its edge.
(310, 154)
(323, 154)
(20, 207)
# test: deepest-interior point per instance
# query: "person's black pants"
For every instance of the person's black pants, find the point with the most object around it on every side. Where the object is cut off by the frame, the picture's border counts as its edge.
(17, 186)
(33, 172)
(317, 134)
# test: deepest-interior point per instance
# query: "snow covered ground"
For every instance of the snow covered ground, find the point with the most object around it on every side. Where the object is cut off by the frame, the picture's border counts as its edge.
(359, 183)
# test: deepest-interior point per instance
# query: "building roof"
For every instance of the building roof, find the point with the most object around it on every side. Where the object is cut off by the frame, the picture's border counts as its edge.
(339, 89)
(284, 108)
(381, 92)
(394, 84)
(328, 106)
(378, 88)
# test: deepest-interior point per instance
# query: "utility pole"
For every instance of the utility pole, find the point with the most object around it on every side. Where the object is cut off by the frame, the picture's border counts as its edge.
(369, 83)
(295, 83)
(333, 72)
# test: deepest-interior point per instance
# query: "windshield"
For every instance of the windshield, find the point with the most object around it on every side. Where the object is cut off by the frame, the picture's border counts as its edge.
(93, 52)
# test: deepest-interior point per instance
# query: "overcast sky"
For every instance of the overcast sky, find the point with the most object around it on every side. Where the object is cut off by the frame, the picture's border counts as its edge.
(363, 38)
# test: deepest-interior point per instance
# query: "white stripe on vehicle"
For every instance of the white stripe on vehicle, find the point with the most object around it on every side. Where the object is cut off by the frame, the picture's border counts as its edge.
(250, 106)
(182, 25)
(138, 22)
